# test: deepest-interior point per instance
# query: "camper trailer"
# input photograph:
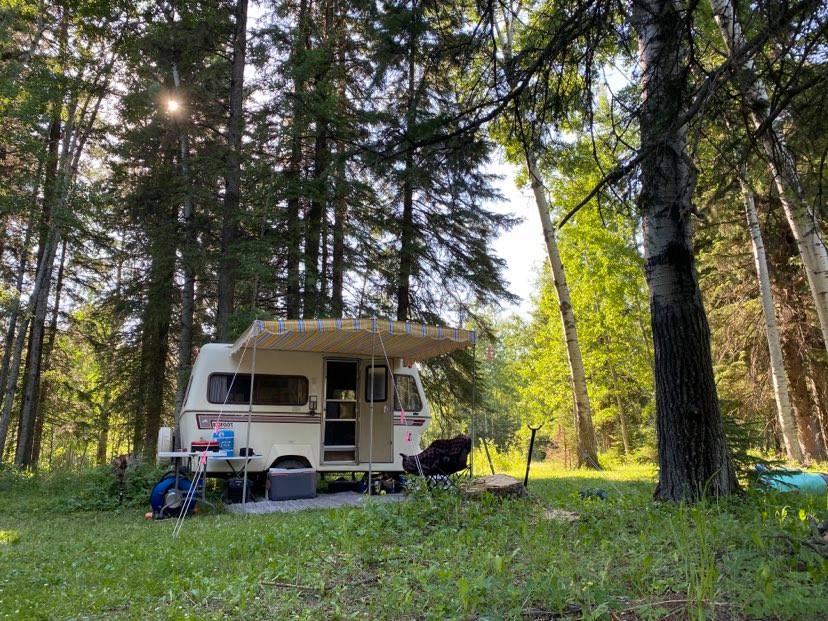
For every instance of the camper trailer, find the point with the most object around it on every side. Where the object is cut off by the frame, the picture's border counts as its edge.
(332, 395)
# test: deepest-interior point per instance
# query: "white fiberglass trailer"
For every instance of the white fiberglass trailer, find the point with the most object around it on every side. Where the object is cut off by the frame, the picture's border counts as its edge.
(312, 401)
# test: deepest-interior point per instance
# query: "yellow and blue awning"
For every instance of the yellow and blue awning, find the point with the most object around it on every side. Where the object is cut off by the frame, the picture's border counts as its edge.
(357, 337)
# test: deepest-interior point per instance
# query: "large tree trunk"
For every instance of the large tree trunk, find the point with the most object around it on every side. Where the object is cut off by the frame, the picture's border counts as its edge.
(819, 393)
(407, 231)
(800, 215)
(798, 336)
(228, 263)
(313, 225)
(38, 305)
(779, 377)
(293, 300)
(406, 244)
(338, 258)
(46, 362)
(155, 345)
(59, 173)
(693, 455)
(185, 340)
(317, 213)
(801, 400)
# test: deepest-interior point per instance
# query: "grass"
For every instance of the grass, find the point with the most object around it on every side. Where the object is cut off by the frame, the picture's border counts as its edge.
(432, 558)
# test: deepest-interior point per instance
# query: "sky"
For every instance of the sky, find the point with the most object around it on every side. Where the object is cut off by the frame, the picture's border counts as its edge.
(522, 248)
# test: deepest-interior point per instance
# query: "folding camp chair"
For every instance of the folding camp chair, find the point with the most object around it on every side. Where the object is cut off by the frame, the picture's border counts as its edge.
(443, 464)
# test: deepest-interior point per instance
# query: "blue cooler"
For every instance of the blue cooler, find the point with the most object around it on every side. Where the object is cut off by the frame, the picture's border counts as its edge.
(226, 440)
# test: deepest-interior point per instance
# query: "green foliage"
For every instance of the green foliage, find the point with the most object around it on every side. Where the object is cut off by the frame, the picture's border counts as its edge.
(91, 489)
(625, 553)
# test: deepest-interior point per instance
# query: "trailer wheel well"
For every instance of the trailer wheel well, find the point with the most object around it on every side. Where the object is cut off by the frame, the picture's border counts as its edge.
(291, 462)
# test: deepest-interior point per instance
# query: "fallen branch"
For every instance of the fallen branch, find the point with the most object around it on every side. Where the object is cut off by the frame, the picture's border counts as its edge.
(313, 589)
(290, 585)
(671, 601)
(817, 544)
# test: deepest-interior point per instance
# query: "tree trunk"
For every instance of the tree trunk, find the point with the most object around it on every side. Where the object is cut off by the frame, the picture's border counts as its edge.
(406, 243)
(587, 447)
(58, 171)
(155, 344)
(316, 214)
(228, 263)
(803, 406)
(185, 340)
(622, 416)
(693, 455)
(800, 215)
(787, 422)
(154, 401)
(46, 362)
(11, 384)
(819, 392)
(103, 429)
(20, 274)
(407, 231)
(293, 302)
(39, 305)
(338, 258)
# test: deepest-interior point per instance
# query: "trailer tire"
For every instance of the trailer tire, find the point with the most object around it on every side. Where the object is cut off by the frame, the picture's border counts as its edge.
(291, 463)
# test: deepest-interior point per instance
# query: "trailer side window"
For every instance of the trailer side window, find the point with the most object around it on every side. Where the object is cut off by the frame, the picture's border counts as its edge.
(268, 389)
(376, 381)
(406, 394)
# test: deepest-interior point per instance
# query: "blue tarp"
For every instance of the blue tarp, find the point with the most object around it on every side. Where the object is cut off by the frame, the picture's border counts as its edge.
(785, 480)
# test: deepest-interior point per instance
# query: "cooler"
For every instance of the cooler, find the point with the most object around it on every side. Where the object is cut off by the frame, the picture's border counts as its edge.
(290, 484)
(226, 440)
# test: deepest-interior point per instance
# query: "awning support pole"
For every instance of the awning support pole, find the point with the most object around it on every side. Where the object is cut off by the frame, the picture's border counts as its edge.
(370, 377)
(249, 421)
(473, 405)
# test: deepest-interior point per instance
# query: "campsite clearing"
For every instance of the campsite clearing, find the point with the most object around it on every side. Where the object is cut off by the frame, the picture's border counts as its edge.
(444, 557)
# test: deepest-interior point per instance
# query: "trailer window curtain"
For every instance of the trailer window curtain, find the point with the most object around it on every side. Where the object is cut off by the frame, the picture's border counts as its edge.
(407, 394)
(268, 389)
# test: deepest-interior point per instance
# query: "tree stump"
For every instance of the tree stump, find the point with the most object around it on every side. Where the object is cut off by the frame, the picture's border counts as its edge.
(501, 485)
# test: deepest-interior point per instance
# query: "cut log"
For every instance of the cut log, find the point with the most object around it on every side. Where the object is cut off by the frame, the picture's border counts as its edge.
(498, 484)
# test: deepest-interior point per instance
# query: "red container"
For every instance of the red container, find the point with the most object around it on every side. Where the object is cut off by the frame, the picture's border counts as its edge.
(198, 446)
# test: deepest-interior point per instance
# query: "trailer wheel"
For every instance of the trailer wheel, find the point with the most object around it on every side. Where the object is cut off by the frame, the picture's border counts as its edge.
(291, 463)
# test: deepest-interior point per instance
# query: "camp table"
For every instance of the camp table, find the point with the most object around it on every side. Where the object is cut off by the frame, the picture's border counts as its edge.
(231, 460)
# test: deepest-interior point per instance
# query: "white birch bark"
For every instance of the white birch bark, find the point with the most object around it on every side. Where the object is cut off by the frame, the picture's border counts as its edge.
(779, 377)
(798, 212)
(587, 449)
(587, 446)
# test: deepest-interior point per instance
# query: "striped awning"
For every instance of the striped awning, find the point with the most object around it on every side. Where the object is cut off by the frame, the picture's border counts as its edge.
(359, 337)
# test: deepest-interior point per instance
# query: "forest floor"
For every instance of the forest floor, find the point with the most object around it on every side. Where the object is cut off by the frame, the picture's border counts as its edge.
(437, 557)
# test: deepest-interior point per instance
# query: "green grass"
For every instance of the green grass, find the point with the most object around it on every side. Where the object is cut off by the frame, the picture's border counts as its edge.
(433, 557)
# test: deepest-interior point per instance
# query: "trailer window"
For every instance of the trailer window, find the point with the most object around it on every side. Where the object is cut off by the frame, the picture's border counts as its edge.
(268, 389)
(406, 394)
(376, 381)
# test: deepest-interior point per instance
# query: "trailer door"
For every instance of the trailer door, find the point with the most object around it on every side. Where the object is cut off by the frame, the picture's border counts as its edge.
(376, 379)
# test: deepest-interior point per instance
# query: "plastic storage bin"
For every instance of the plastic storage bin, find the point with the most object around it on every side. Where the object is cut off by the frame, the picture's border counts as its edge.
(285, 484)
